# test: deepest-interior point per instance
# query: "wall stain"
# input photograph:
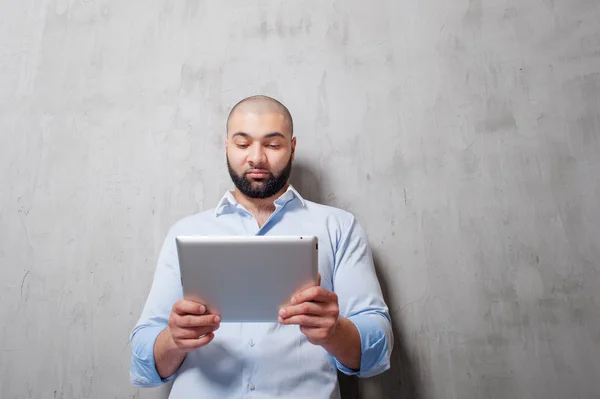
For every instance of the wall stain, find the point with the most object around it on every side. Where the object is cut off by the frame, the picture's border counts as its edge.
(499, 115)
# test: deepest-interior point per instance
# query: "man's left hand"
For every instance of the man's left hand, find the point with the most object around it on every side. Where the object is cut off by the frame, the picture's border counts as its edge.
(315, 310)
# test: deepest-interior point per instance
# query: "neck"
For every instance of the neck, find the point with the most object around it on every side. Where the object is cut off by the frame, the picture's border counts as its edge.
(258, 205)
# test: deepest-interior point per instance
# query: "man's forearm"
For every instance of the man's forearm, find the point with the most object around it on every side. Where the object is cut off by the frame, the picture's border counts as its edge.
(344, 345)
(167, 356)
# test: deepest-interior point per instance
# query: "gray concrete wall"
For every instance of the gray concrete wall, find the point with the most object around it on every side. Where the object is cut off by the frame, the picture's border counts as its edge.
(464, 135)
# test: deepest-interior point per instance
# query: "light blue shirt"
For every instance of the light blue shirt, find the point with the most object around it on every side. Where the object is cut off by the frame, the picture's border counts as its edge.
(269, 360)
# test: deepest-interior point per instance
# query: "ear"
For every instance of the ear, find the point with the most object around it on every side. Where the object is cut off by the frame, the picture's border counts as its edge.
(293, 148)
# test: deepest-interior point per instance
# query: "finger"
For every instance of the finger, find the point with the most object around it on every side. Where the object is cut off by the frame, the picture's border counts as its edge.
(193, 333)
(188, 321)
(315, 293)
(305, 320)
(184, 306)
(196, 343)
(308, 308)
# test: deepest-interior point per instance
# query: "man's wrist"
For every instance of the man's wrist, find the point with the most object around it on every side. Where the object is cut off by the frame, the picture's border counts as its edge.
(169, 347)
(167, 355)
(344, 344)
(340, 330)
(336, 338)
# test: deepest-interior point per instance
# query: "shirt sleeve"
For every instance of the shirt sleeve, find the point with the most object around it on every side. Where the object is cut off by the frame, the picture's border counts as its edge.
(361, 301)
(166, 290)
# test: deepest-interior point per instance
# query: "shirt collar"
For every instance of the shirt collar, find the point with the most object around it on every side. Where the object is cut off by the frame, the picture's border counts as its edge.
(228, 200)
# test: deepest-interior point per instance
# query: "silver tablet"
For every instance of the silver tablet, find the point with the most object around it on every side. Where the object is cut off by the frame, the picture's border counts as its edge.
(246, 278)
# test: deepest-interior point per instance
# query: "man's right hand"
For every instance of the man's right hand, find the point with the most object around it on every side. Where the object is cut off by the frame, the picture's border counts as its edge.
(190, 326)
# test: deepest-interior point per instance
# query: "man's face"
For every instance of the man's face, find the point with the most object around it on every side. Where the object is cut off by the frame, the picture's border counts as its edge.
(260, 151)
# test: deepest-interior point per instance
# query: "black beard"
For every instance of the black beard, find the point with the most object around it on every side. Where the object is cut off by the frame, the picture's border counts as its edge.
(270, 186)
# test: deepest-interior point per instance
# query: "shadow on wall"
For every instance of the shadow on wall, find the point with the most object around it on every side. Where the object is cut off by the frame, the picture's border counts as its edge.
(306, 181)
(165, 390)
(401, 380)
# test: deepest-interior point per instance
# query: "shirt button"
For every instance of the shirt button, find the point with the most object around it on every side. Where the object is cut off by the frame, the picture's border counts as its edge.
(252, 343)
(251, 387)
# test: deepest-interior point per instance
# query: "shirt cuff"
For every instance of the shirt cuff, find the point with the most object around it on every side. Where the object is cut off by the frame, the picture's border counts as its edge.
(374, 345)
(143, 371)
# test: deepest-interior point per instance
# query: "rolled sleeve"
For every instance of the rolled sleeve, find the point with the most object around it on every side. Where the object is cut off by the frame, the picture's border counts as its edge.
(143, 371)
(375, 343)
(165, 291)
(361, 301)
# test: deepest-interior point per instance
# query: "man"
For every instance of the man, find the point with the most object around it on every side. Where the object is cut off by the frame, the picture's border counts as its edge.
(341, 324)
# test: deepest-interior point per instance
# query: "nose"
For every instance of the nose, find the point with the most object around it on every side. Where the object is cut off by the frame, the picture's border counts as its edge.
(256, 155)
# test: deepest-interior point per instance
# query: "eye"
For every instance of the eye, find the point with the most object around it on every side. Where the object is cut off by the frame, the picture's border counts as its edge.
(242, 146)
(274, 146)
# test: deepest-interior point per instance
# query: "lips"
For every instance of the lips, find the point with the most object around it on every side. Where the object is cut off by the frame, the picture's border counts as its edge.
(257, 173)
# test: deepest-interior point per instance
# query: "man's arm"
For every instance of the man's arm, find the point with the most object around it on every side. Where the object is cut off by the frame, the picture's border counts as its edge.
(167, 355)
(189, 328)
(361, 301)
(352, 324)
(169, 326)
(344, 344)
(316, 311)
(165, 291)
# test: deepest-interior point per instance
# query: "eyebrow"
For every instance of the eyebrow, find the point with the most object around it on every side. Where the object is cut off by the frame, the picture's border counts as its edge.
(267, 136)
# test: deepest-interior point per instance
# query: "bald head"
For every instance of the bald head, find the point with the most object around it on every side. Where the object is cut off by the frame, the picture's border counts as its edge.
(260, 105)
